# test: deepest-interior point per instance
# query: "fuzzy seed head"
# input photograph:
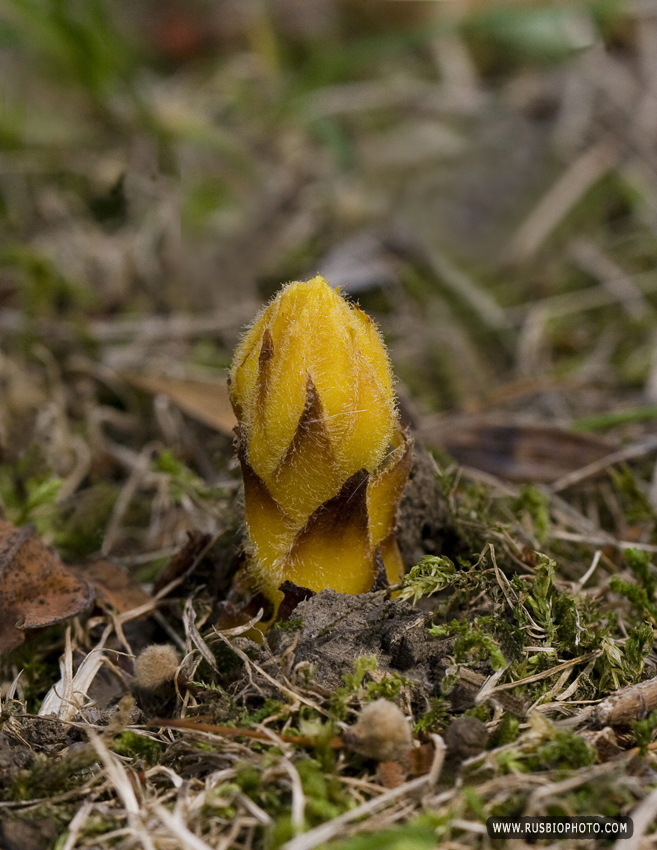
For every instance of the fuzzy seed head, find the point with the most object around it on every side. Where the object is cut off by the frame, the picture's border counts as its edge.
(382, 732)
(156, 665)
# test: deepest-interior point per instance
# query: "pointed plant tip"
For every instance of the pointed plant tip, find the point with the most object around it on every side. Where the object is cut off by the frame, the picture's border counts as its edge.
(312, 387)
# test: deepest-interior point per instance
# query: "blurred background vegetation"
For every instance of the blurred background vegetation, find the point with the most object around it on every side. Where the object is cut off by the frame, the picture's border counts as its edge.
(481, 176)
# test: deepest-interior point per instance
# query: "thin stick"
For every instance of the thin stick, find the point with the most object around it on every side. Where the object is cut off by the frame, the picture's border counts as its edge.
(642, 817)
(562, 196)
(528, 680)
(594, 565)
(234, 732)
(637, 450)
(176, 826)
(592, 260)
(602, 540)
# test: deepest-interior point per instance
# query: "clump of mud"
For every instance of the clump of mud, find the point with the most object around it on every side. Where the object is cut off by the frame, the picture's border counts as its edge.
(422, 512)
(333, 629)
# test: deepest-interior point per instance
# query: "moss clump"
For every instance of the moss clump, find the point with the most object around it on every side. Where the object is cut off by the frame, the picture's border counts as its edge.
(49, 777)
(506, 732)
(644, 730)
(80, 523)
(565, 750)
(435, 719)
(472, 641)
(388, 685)
(139, 747)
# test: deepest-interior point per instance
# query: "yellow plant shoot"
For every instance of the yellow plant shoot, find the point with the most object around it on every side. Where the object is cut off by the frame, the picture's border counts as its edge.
(323, 456)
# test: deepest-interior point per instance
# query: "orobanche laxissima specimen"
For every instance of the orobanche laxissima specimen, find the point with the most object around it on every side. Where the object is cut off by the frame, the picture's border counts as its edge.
(323, 456)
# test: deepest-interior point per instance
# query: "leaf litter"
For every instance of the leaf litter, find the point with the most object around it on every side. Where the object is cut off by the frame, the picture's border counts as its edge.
(519, 645)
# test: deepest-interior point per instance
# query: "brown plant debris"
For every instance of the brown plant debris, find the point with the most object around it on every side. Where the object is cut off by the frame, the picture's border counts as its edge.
(36, 589)
(624, 707)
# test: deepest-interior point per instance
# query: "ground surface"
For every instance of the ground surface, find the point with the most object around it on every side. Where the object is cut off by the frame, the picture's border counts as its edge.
(483, 180)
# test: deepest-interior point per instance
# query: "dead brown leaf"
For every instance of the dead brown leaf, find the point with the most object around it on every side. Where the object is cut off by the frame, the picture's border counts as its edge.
(515, 451)
(206, 401)
(114, 585)
(36, 588)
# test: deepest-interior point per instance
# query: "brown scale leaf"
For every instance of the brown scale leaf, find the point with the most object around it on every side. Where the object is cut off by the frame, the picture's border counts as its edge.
(36, 588)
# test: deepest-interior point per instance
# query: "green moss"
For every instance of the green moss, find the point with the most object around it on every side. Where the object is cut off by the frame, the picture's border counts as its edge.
(568, 624)
(29, 489)
(419, 834)
(510, 761)
(644, 730)
(269, 707)
(506, 732)
(511, 806)
(80, 523)
(48, 777)
(248, 779)
(291, 625)
(534, 504)
(39, 666)
(636, 595)
(643, 568)
(44, 291)
(352, 682)
(324, 796)
(565, 750)
(435, 719)
(431, 575)
(472, 642)
(94, 825)
(136, 746)
(635, 504)
(482, 712)
(608, 796)
(181, 479)
(388, 685)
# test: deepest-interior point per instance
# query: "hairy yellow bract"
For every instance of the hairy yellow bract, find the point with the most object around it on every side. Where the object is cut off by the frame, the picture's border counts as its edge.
(312, 388)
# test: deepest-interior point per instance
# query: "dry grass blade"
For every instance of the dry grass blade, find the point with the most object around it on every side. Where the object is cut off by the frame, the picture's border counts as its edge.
(637, 450)
(642, 817)
(619, 284)
(569, 189)
(334, 828)
(546, 674)
(283, 688)
(65, 698)
(176, 826)
(458, 282)
(76, 825)
(120, 781)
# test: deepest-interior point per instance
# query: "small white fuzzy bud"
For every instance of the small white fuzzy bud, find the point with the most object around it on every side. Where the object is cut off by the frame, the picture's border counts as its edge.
(382, 732)
(156, 665)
